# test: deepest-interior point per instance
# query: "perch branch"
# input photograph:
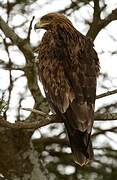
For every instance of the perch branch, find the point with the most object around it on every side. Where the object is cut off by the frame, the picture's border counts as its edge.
(45, 119)
(29, 125)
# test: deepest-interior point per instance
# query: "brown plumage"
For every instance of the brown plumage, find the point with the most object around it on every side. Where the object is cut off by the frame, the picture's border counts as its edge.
(68, 67)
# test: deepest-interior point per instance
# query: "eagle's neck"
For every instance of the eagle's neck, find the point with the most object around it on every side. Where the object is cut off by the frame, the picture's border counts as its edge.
(65, 34)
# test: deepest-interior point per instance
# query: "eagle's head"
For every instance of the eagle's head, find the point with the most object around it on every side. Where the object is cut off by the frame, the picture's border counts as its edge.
(52, 20)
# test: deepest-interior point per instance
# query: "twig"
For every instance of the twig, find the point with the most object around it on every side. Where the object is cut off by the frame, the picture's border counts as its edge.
(98, 117)
(103, 131)
(108, 93)
(30, 28)
(35, 111)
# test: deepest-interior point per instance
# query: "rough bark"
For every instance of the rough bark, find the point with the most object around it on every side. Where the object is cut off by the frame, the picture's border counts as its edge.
(18, 158)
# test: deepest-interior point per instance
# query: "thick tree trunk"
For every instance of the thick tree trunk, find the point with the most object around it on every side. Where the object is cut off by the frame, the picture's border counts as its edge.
(18, 158)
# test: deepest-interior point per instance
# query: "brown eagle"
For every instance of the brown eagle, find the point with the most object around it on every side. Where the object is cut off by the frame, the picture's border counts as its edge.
(68, 67)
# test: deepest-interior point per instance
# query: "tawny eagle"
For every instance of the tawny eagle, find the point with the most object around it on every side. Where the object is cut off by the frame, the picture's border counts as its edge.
(68, 67)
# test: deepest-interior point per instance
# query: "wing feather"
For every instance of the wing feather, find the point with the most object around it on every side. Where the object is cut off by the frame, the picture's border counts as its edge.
(68, 67)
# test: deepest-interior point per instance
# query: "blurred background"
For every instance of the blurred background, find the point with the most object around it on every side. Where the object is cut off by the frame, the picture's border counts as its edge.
(94, 18)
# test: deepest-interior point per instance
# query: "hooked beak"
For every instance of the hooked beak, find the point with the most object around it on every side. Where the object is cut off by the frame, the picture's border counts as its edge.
(40, 25)
(37, 25)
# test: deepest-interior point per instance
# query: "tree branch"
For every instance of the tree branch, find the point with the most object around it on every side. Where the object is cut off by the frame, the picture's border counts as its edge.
(96, 14)
(111, 17)
(45, 119)
(105, 117)
(10, 33)
(30, 68)
(98, 24)
(108, 93)
(103, 131)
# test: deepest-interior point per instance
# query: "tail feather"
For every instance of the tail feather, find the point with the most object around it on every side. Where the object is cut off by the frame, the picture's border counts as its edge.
(78, 121)
(82, 153)
(81, 145)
